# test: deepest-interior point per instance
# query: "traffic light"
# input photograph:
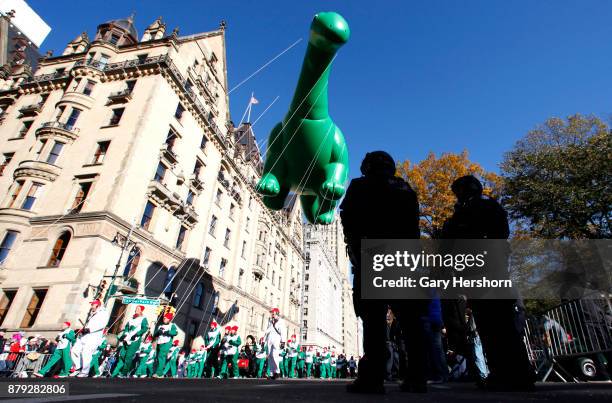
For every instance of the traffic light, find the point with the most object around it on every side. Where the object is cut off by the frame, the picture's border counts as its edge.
(169, 309)
(159, 310)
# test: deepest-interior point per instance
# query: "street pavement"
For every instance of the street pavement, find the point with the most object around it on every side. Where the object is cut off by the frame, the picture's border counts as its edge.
(255, 390)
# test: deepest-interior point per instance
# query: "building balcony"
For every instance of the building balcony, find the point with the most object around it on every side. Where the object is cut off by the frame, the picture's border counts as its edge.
(45, 78)
(57, 129)
(160, 193)
(119, 97)
(95, 64)
(196, 182)
(17, 216)
(168, 154)
(187, 215)
(31, 110)
(258, 271)
(78, 98)
(37, 170)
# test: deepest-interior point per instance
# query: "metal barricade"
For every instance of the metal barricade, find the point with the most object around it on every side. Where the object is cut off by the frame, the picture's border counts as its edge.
(570, 340)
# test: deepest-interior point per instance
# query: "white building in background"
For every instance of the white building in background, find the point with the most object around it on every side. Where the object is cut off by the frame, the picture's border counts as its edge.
(328, 316)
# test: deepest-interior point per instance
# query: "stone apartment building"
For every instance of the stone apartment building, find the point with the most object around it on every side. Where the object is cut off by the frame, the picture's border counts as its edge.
(328, 317)
(119, 157)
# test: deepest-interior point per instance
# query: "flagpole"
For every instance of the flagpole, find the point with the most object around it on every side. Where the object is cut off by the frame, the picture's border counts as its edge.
(250, 107)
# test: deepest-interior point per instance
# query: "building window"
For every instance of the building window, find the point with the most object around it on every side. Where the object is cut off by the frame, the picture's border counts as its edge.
(5, 303)
(15, 194)
(218, 197)
(203, 142)
(160, 173)
(206, 258)
(116, 115)
(232, 210)
(226, 241)
(7, 243)
(190, 198)
(60, 112)
(306, 288)
(222, 267)
(178, 114)
(243, 251)
(33, 194)
(247, 225)
(240, 278)
(55, 152)
(80, 197)
(34, 307)
(305, 311)
(213, 225)
(198, 295)
(305, 323)
(101, 150)
(197, 168)
(147, 216)
(130, 84)
(25, 128)
(40, 148)
(72, 119)
(6, 159)
(114, 38)
(132, 263)
(170, 140)
(306, 277)
(89, 86)
(103, 61)
(169, 282)
(181, 237)
(59, 249)
(142, 57)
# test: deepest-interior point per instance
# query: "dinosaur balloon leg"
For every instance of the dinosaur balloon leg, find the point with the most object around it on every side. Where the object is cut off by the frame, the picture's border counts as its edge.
(306, 151)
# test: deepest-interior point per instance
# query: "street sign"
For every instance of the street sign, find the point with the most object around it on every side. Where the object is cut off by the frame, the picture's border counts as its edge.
(140, 301)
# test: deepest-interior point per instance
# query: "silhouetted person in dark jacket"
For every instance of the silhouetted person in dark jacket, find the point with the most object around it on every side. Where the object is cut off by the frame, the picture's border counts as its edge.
(477, 217)
(380, 205)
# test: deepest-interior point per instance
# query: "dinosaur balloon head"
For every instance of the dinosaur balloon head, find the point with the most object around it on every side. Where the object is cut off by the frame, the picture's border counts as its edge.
(329, 31)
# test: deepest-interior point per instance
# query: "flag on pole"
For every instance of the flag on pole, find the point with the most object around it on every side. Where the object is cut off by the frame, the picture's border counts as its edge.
(254, 100)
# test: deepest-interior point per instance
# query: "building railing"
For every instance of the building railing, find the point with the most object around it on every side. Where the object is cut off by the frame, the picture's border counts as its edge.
(60, 125)
(47, 77)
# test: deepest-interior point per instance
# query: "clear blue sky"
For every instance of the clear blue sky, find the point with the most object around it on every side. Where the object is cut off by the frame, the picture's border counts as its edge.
(416, 76)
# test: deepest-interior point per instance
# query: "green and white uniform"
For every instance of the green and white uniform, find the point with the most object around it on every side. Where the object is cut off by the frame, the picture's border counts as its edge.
(261, 354)
(95, 359)
(144, 352)
(130, 338)
(212, 341)
(300, 364)
(172, 358)
(309, 360)
(165, 334)
(292, 352)
(230, 347)
(325, 367)
(65, 340)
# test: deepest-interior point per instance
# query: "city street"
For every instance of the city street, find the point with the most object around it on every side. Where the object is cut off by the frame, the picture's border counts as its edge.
(183, 390)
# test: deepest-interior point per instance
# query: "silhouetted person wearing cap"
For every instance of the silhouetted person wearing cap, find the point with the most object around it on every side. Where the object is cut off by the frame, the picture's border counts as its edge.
(478, 217)
(379, 205)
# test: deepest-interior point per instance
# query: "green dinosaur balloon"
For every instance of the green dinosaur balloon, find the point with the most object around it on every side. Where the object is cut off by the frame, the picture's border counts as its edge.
(306, 151)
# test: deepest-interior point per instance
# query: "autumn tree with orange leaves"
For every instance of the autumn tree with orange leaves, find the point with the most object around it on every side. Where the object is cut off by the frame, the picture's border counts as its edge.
(432, 179)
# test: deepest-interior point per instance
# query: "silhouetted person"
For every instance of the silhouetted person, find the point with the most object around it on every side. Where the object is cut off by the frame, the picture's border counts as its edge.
(380, 205)
(477, 217)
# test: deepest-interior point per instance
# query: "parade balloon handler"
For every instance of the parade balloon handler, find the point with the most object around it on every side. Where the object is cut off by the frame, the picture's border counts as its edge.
(91, 336)
(212, 340)
(129, 341)
(261, 354)
(144, 351)
(95, 359)
(273, 338)
(64, 339)
(307, 152)
(164, 334)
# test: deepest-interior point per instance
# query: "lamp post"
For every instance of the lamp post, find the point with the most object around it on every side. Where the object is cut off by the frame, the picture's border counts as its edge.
(125, 246)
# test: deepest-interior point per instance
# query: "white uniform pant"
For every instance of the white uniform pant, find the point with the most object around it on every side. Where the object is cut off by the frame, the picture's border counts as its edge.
(82, 355)
(274, 357)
